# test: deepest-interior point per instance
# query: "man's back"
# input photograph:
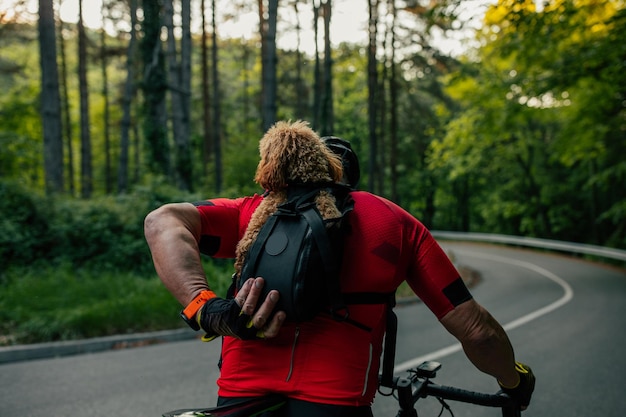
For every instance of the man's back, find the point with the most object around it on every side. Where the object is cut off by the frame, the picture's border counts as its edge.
(334, 362)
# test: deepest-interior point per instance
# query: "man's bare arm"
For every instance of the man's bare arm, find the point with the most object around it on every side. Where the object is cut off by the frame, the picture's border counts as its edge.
(172, 232)
(484, 341)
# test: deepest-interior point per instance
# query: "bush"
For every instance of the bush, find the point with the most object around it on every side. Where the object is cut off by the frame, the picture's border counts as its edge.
(82, 268)
(100, 233)
(103, 233)
(23, 225)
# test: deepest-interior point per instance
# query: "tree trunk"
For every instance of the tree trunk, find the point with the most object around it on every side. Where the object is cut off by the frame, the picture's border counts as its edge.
(317, 73)
(327, 115)
(154, 90)
(129, 89)
(108, 175)
(268, 62)
(217, 134)
(50, 100)
(301, 93)
(393, 108)
(182, 154)
(66, 112)
(382, 123)
(185, 153)
(206, 103)
(372, 83)
(86, 174)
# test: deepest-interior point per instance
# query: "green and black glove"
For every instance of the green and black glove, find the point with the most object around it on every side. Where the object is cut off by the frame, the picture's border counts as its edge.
(524, 389)
(220, 317)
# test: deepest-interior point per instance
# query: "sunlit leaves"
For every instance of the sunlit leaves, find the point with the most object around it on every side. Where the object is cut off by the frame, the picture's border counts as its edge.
(541, 138)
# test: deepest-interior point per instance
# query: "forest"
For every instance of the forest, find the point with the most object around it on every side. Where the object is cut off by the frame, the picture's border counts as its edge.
(522, 133)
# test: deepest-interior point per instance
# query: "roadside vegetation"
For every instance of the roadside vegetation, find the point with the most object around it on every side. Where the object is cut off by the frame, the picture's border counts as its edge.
(74, 269)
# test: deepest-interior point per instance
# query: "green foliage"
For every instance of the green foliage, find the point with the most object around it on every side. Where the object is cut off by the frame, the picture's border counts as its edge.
(60, 303)
(20, 130)
(103, 233)
(23, 224)
(75, 268)
(540, 136)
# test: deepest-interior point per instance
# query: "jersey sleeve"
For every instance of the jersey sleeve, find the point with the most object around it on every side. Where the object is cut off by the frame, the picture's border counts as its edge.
(387, 245)
(223, 223)
(432, 275)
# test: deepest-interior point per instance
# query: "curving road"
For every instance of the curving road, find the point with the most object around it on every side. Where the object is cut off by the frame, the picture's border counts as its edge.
(564, 316)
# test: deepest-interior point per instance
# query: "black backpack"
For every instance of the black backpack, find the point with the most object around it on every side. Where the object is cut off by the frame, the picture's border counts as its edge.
(299, 253)
(296, 247)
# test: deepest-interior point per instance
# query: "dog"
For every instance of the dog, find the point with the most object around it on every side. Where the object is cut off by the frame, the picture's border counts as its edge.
(291, 153)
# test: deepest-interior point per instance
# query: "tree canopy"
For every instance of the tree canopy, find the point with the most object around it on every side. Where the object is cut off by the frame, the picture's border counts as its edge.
(522, 134)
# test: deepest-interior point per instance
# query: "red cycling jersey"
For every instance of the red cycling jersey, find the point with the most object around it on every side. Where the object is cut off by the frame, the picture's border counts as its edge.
(324, 360)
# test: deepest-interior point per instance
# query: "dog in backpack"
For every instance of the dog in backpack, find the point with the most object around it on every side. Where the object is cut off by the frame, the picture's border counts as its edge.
(291, 153)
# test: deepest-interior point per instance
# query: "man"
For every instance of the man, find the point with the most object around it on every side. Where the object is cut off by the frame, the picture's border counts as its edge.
(325, 367)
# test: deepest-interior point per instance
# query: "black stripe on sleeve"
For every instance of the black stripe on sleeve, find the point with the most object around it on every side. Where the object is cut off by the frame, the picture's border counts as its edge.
(209, 244)
(457, 293)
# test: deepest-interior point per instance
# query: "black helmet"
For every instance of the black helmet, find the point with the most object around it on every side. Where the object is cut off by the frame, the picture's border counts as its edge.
(350, 161)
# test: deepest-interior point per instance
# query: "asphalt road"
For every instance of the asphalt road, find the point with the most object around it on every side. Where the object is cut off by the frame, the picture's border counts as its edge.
(564, 316)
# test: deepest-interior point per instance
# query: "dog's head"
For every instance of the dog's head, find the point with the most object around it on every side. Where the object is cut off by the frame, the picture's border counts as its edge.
(294, 153)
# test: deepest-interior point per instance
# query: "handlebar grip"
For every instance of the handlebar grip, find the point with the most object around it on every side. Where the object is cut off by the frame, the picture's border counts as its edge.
(478, 398)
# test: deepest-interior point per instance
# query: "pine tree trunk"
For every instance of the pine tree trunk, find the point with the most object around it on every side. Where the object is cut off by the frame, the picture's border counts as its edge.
(66, 112)
(301, 93)
(217, 134)
(206, 102)
(327, 116)
(268, 62)
(393, 110)
(176, 98)
(50, 100)
(86, 175)
(154, 89)
(317, 73)
(127, 98)
(372, 82)
(108, 175)
(185, 152)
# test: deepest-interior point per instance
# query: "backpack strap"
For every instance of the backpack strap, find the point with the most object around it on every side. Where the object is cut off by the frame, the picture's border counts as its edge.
(305, 204)
(331, 264)
(257, 246)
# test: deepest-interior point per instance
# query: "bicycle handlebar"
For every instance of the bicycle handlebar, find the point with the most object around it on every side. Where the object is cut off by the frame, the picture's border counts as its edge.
(418, 385)
(499, 399)
(459, 394)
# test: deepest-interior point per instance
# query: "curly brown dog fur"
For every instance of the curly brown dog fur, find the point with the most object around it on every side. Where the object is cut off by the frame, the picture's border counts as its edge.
(290, 153)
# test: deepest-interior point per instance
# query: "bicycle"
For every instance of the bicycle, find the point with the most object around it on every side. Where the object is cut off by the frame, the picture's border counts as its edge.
(406, 390)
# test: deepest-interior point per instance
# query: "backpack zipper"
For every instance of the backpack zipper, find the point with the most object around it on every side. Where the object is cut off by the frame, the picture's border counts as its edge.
(293, 352)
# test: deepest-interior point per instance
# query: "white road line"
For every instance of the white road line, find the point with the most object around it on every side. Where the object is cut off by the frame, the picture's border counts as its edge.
(568, 294)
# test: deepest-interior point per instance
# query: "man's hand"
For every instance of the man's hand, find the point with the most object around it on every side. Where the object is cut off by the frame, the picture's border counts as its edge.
(524, 389)
(237, 317)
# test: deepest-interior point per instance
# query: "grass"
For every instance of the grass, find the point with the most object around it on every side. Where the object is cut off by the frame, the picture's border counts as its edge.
(61, 303)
